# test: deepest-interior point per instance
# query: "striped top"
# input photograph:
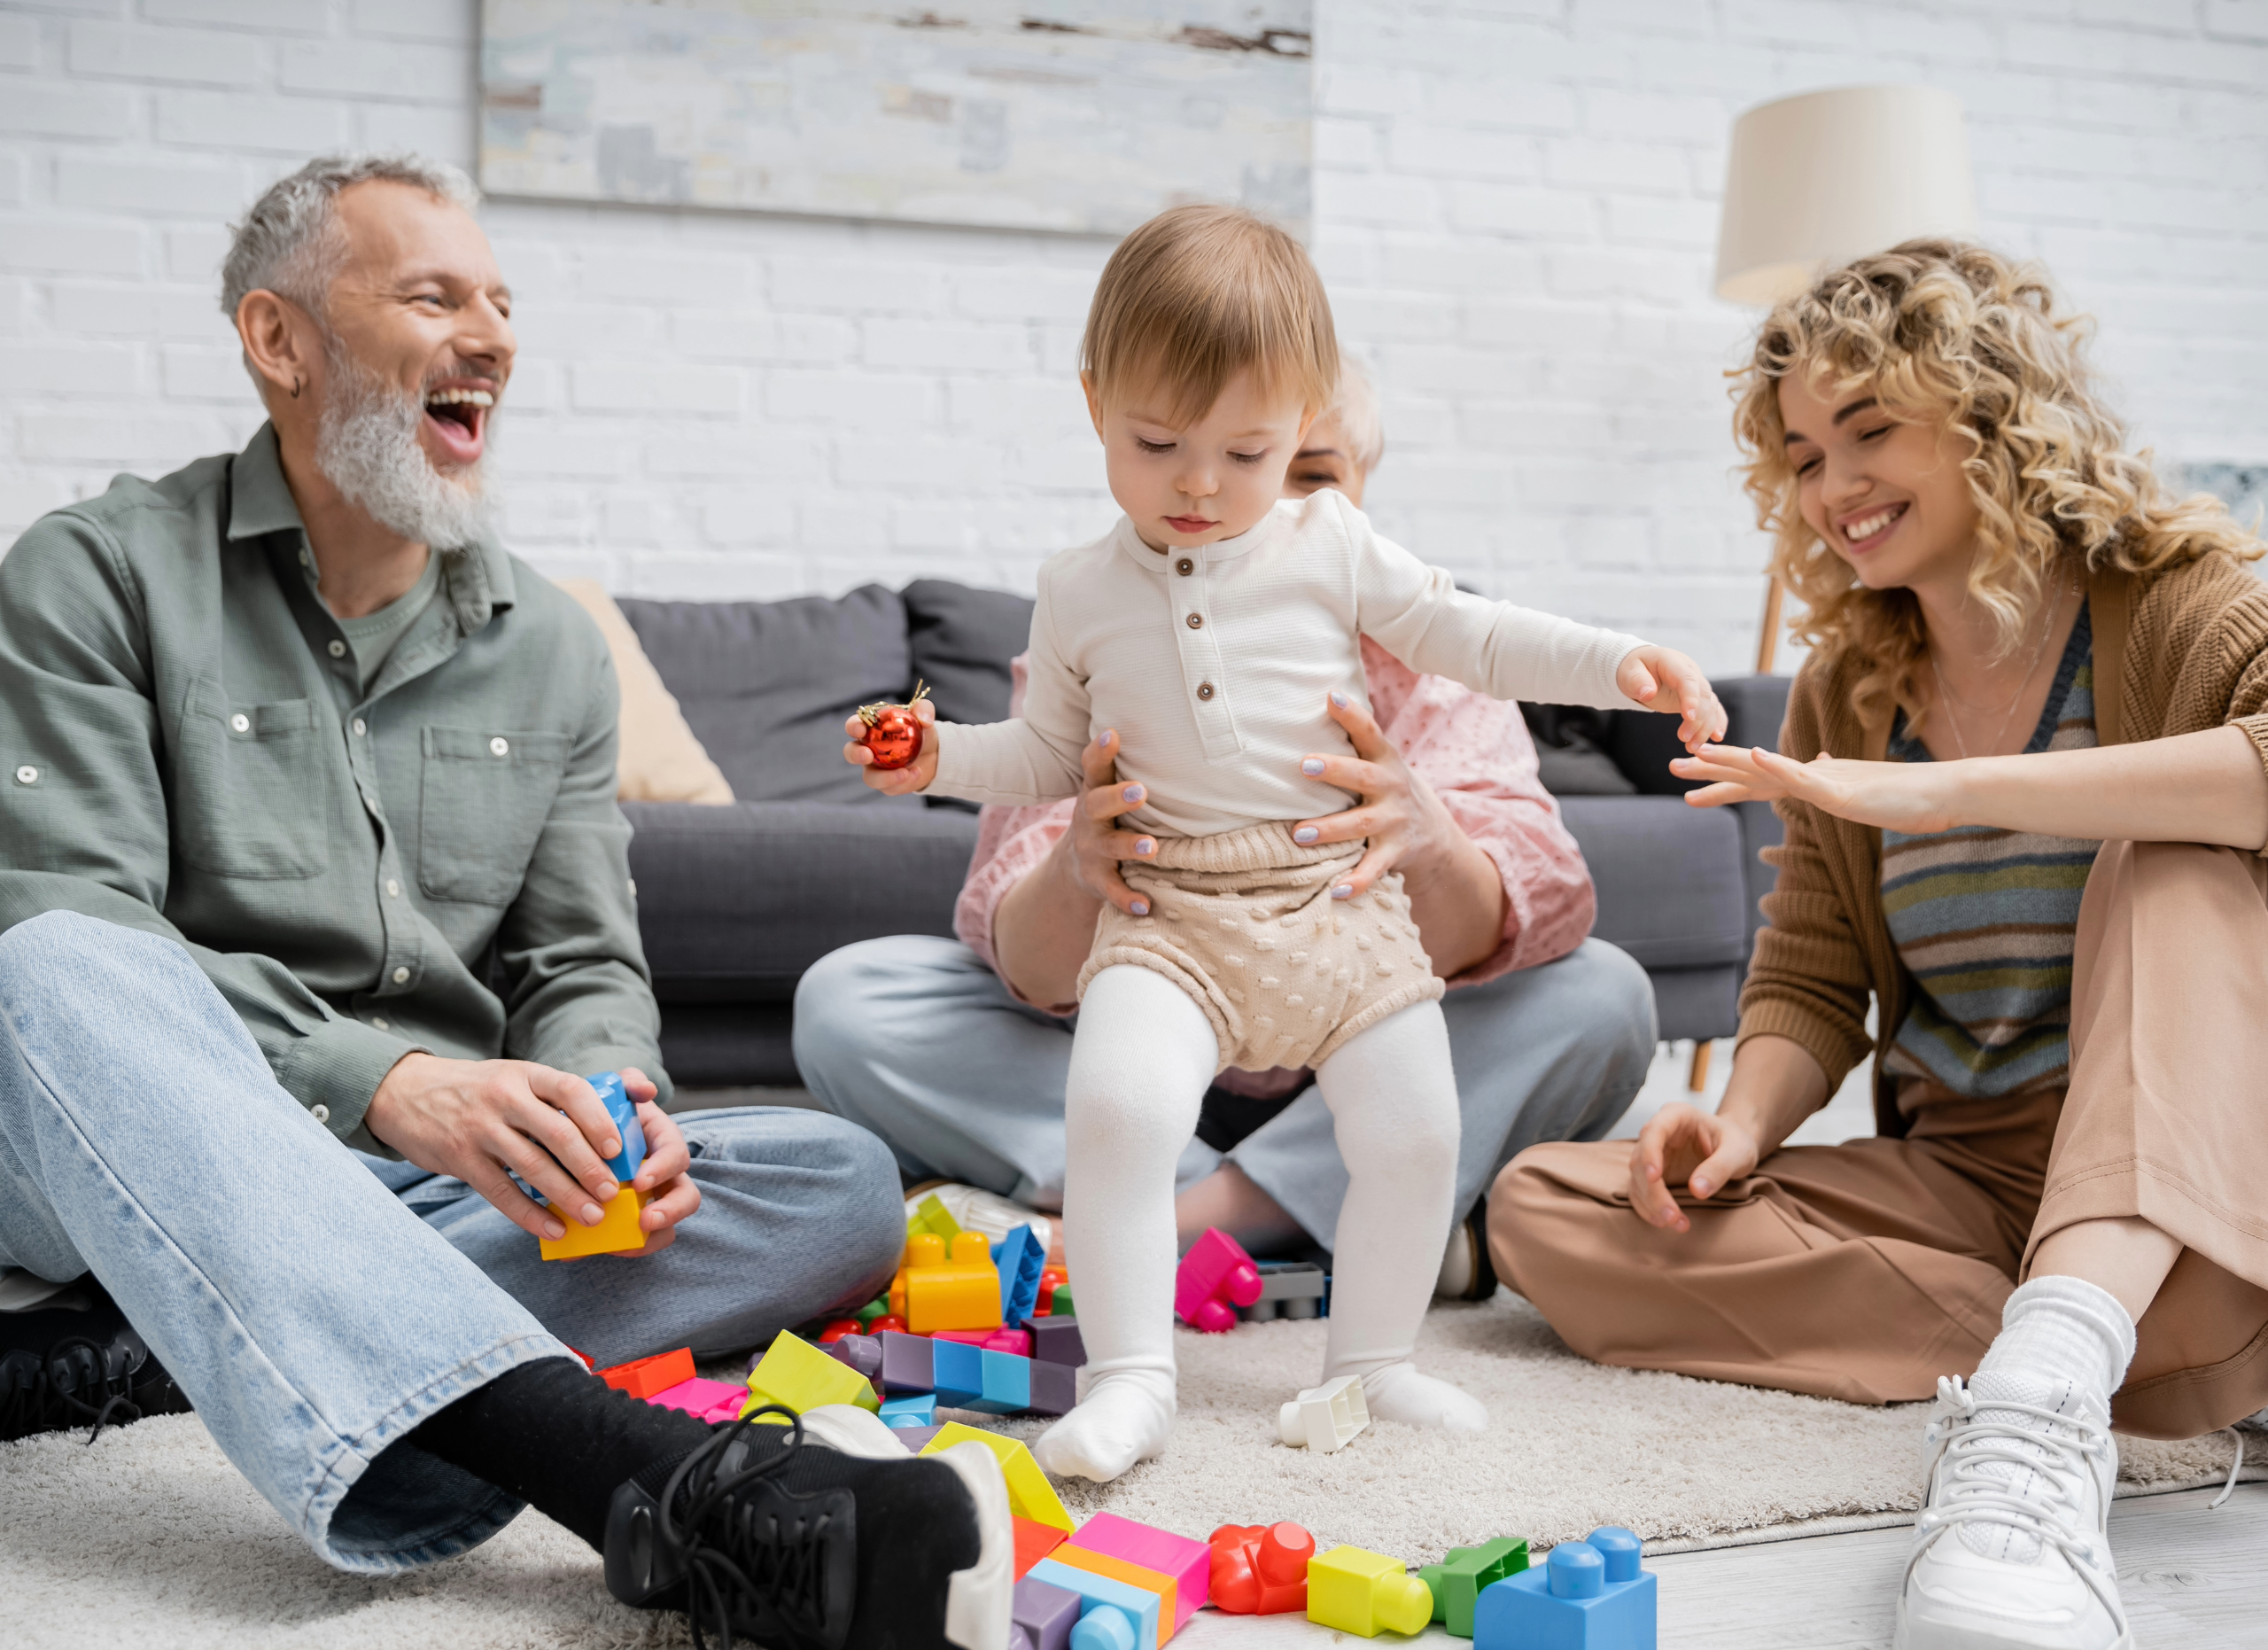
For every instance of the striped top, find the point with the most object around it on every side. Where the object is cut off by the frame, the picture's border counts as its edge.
(1985, 921)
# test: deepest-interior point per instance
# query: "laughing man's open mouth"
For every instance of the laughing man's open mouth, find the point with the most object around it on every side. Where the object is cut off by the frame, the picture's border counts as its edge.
(458, 417)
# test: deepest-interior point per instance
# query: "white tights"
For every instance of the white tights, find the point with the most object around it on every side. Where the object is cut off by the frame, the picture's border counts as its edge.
(1141, 1064)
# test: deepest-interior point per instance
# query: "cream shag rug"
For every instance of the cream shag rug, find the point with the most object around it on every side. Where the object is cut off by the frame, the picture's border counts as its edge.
(150, 1537)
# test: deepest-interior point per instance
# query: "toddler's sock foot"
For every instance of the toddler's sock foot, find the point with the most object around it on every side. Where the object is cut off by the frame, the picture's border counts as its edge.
(1124, 1419)
(1398, 1392)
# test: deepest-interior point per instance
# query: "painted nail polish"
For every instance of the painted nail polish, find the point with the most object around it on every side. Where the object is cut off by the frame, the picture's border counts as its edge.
(1132, 793)
(1345, 891)
(1146, 847)
(1141, 908)
(1305, 834)
(1339, 699)
(1312, 766)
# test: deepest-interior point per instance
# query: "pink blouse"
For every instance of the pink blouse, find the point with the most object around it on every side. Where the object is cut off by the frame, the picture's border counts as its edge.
(1472, 750)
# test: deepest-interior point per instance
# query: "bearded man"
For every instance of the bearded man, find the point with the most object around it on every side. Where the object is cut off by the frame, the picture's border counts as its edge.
(317, 911)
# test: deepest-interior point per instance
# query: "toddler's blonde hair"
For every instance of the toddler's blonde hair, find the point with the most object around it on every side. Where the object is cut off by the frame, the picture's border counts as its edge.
(1199, 293)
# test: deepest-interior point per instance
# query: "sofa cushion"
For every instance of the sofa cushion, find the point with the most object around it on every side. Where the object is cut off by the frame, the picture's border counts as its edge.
(735, 902)
(657, 757)
(1672, 890)
(765, 685)
(962, 641)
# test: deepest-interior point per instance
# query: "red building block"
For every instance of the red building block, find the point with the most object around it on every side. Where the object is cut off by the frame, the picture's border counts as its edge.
(1261, 1569)
(1215, 1277)
(644, 1377)
(1034, 1542)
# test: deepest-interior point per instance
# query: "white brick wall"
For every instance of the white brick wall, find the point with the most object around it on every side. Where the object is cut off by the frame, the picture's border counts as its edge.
(1516, 213)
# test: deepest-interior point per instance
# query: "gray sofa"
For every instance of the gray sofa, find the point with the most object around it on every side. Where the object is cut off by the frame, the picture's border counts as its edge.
(737, 902)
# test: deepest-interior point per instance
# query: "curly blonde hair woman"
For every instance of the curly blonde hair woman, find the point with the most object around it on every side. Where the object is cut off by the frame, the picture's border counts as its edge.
(2025, 782)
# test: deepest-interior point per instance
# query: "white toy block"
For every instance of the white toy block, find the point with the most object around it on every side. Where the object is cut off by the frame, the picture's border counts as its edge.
(1325, 1418)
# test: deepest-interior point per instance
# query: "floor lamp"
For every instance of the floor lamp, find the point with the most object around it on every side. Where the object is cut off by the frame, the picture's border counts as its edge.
(1815, 181)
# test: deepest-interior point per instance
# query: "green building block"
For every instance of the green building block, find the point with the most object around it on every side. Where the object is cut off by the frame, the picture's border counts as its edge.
(871, 1310)
(930, 1215)
(1060, 1305)
(796, 1374)
(1457, 1581)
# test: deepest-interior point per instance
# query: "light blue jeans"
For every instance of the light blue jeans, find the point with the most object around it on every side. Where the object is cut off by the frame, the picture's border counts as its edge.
(914, 1038)
(313, 1315)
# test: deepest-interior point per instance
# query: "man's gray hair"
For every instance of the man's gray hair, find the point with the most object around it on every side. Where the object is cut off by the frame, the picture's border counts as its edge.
(290, 243)
(1355, 411)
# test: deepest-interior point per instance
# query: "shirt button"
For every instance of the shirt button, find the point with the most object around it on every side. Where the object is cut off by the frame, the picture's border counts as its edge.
(401, 976)
(320, 1114)
(1204, 689)
(1184, 566)
(28, 775)
(241, 722)
(361, 728)
(379, 1020)
(306, 560)
(1197, 621)
(393, 889)
(499, 746)
(338, 649)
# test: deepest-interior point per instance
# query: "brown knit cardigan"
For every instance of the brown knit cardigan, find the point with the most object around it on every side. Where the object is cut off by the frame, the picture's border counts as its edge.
(2175, 652)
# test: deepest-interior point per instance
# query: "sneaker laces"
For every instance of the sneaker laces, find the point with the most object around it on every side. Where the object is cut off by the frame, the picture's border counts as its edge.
(46, 1396)
(2058, 1452)
(741, 1553)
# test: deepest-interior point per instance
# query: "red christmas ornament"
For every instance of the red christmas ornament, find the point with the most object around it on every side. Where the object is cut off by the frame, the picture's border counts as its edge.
(893, 731)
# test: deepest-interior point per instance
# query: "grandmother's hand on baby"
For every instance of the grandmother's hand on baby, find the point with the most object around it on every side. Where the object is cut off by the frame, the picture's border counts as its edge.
(1404, 820)
(1665, 679)
(1094, 846)
(895, 781)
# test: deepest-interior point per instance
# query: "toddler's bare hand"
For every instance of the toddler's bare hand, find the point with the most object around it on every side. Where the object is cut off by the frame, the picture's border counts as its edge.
(895, 781)
(1665, 679)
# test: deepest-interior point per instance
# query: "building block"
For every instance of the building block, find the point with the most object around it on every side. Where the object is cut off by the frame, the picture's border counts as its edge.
(1029, 1494)
(1013, 1342)
(622, 1111)
(916, 1439)
(1019, 1263)
(588, 1362)
(1215, 1277)
(1188, 1564)
(1325, 1418)
(710, 1401)
(1363, 1592)
(1050, 1279)
(837, 1327)
(860, 1352)
(1112, 1614)
(888, 1322)
(616, 1234)
(907, 1363)
(962, 1293)
(1587, 1595)
(1133, 1575)
(1055, 1340)
(1457, 1580)
(931, 1215)
(969, 1377)
(914, 1410)
(1260, 1569)
(1045, 1613)
(1061, 1304)
(643, 1377)
(871, 1310)
(1054, 1388)
(795, 1374)
(1288, 1289)
(1034, 1542)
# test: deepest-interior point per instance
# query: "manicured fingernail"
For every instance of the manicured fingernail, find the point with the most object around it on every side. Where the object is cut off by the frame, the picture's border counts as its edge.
(1340, 700)
(1132, 793)
(1312, 765)
(1305, 834)
(592, 1214)
(1345, 891)
(1108, 734)
(1144, 845)
(1141, 908)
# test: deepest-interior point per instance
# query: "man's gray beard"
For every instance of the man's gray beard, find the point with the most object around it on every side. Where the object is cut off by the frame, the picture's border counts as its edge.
(366, 442)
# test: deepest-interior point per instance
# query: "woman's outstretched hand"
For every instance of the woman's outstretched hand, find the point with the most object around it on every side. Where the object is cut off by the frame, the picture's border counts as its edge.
(1914, 798)
(1701, 1151)
(1665, 679)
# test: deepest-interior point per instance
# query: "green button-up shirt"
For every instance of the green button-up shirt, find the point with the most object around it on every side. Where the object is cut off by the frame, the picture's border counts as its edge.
(184, 749)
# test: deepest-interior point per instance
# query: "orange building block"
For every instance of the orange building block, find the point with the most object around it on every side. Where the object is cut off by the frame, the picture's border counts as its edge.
(1034, 1542)
(1133, 1575)
(643, 1377)
(962, 1293)
(618, 1234)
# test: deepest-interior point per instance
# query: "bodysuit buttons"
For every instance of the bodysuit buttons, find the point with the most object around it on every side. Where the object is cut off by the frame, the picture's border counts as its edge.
(1197, 621)
(1184, 566)
(1204, 689)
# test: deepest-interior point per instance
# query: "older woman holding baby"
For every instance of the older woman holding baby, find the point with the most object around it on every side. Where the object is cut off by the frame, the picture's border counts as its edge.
(2022, 781)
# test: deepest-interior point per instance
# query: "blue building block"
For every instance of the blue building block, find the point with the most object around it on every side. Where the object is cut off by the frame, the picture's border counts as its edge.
(1587, 1595)
(969, 1377)
(919, 1409)
(614, 1094)
(1019, 1259)
(1007, 1384)
(1113, 1615)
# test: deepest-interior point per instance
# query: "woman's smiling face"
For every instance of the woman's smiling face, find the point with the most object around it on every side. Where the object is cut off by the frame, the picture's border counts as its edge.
(1889, 497)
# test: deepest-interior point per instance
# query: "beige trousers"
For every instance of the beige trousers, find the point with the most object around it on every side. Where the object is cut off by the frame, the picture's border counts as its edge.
(1866, 1271)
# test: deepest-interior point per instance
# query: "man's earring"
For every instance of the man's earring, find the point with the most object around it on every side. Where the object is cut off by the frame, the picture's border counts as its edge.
(295, 389)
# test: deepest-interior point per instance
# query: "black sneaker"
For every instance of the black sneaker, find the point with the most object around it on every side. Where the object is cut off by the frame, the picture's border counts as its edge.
(823, 1535)
(61, 1367)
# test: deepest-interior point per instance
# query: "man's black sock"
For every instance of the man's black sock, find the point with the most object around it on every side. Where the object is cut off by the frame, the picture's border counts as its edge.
(559, 1438)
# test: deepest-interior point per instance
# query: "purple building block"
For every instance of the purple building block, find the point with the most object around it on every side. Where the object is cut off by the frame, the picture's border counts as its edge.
(1046, 1612)
(1054, 1388)
(905, 1366)
(1056, 1341)
(857, 1350)
(915, 1438)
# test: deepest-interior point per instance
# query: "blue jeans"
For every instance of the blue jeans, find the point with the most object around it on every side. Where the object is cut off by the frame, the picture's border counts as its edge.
(313, 1315)
(914, 1038)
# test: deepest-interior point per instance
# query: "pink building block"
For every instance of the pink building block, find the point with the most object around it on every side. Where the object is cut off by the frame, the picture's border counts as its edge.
(1215, 1277)
(1015, 1341)
(1189, 1562)
(705, 1400)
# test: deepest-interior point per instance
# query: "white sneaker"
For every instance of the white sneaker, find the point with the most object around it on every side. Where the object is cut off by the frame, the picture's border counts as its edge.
(2012, 1550)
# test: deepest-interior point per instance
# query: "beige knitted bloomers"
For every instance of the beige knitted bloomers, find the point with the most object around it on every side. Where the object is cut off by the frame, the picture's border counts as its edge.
(1243, 922)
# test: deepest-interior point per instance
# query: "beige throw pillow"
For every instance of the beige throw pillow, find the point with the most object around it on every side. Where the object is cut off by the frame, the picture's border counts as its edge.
(658, 760)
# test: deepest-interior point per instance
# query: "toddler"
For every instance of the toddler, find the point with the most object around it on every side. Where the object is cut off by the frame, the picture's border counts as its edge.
(1210, 627)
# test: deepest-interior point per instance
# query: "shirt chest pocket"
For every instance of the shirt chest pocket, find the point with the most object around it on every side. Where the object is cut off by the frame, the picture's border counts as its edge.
(483, 798)
(249, 796)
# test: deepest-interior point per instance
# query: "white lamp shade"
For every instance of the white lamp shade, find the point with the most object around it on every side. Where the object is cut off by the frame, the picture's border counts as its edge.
(1819, 180)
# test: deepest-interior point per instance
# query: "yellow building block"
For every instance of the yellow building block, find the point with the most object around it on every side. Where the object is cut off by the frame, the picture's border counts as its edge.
(796, 1374)
(618, 1234)
(930, 1215)
(963, 1293)
(1133, 1575)
(1363, 1592)
(1029, 1494)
